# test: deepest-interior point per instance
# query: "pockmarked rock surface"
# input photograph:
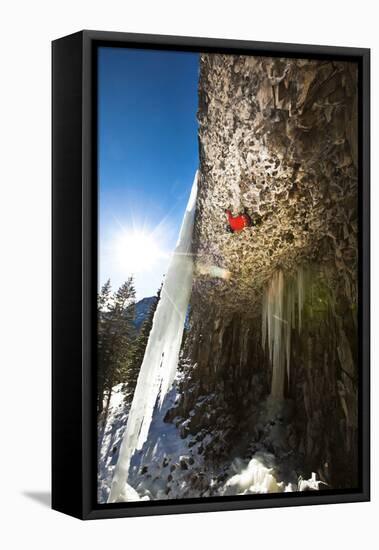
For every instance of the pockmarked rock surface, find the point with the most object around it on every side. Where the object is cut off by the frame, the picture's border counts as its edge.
(278, 138)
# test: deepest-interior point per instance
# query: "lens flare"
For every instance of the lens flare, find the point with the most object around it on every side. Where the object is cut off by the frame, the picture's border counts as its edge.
(137, 251)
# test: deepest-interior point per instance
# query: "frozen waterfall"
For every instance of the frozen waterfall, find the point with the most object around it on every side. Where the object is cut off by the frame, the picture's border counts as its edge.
(161, 357)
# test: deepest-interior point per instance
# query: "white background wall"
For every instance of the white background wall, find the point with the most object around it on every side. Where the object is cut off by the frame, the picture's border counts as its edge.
(27, 27)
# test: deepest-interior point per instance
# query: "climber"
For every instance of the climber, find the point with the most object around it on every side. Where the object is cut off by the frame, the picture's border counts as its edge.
(239, 222)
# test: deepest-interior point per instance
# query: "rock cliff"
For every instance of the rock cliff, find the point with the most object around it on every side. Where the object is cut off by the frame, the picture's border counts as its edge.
(270, 359)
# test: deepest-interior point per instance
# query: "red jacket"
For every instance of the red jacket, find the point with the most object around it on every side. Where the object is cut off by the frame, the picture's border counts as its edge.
(238, 223)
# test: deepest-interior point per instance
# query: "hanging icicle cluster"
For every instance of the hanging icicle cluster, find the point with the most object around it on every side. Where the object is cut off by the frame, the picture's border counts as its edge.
(278, 320)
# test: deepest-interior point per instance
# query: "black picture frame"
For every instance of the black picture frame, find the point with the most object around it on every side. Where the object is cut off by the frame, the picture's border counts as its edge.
(74, 273)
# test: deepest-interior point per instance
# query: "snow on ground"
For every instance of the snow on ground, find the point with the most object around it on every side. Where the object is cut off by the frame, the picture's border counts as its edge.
(169, 466)
(166, 466)
(254, 476)
(163, 468)
(109, 438)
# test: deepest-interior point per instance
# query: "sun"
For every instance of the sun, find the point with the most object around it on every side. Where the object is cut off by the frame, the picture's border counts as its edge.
(137, 251)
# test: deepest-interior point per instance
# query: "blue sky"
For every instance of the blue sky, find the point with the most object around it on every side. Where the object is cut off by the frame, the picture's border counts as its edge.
(148, 156)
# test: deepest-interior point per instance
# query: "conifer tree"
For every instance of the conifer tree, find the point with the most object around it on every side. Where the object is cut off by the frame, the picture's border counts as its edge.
(115, 338)
(103, 334)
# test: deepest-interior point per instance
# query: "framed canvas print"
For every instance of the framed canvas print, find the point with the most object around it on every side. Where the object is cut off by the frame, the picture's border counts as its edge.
(210, 274)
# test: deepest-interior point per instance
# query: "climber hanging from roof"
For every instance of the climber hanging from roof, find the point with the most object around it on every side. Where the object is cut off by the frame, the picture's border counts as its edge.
(240, 221)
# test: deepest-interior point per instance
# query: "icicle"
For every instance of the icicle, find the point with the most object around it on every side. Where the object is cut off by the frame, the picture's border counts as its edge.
(300, 294)
(288, 327)
(278, 320)
(160, 361)
(264, 320)
(273, 320)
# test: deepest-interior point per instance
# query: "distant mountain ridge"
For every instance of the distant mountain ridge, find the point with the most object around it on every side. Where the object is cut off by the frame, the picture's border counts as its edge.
(142, 309)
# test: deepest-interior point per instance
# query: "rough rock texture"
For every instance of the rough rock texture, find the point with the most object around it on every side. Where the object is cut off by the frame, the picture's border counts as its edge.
(277, 139)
